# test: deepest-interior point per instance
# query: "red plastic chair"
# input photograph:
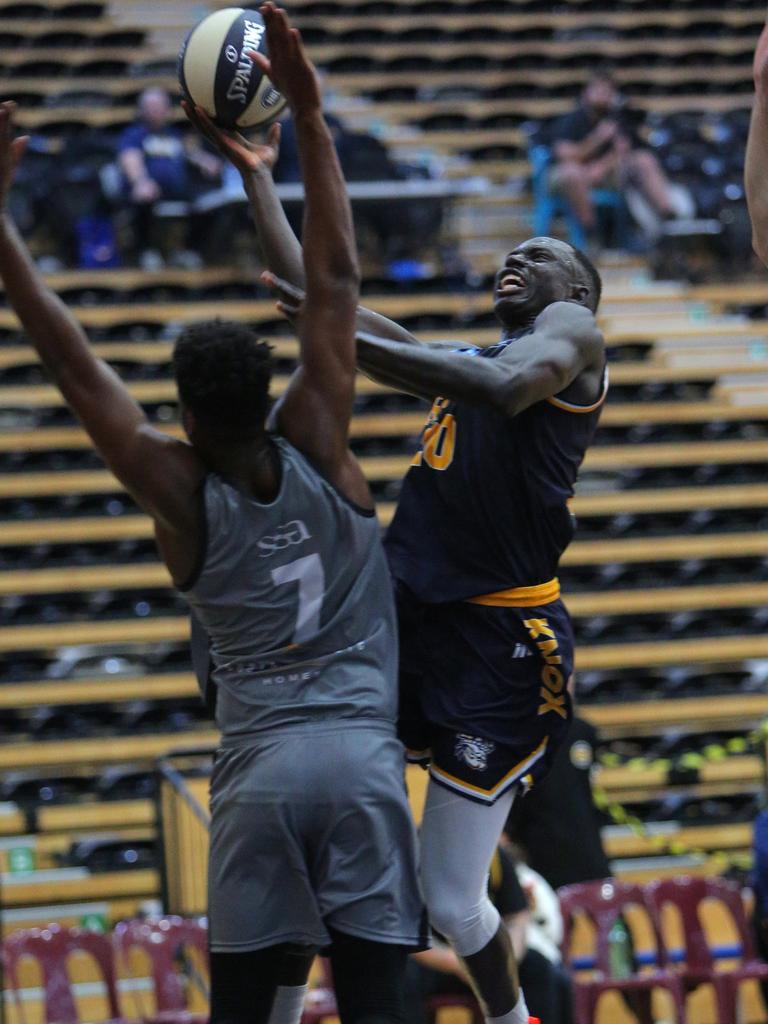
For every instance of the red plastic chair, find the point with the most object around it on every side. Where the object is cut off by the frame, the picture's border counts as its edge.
(603, 902)
(687, 895)
(52, 947)
(434, 1004)
(161, 939)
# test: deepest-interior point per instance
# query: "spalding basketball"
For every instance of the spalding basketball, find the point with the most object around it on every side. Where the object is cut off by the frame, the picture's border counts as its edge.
(216, 74)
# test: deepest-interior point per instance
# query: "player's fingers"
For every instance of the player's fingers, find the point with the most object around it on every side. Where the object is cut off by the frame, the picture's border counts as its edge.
(207, 127)
(273, 135)
(286, 289)
(18, 149)
(262, 63)
(289, 312)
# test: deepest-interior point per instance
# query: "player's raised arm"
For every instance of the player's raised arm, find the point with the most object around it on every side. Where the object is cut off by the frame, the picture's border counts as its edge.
(315, 412)
(756, 164)
(159, 472)
(281, 248)
(565, 341)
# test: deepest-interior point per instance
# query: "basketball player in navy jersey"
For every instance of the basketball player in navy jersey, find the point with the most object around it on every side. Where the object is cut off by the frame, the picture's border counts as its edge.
(272, 537)
(756, 163)
(486, 643)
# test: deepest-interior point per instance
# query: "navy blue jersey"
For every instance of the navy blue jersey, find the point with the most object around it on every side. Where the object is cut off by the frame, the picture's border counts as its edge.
(483, 507)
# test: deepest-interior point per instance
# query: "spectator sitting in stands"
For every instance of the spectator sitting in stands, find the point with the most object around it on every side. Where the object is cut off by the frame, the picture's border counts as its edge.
(597, 145)
(159, 163)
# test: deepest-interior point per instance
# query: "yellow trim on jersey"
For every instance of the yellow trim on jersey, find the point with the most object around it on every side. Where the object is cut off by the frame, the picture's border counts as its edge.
(521, 597)
(570, 407)
(509, 777)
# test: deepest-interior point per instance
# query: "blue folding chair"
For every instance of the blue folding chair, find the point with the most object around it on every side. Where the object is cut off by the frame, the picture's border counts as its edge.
(547, 204)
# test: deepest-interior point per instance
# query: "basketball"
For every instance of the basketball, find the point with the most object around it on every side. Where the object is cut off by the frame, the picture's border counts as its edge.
(216, 74)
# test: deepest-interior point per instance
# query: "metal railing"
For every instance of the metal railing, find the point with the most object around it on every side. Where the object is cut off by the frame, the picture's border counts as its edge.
(183, 827)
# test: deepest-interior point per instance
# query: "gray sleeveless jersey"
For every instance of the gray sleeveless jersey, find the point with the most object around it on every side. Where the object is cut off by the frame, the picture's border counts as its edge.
(296, 599)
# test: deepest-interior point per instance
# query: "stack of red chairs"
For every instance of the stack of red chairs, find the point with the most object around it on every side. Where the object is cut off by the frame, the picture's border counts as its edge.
(163, 940)
(605, 901)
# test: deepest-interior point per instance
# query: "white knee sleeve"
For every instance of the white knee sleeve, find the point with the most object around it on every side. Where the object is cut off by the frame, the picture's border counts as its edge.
(458, 840)
(468, 929)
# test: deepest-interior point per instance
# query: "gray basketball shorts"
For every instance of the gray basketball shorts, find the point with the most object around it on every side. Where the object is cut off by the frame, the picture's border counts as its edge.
(311, 829)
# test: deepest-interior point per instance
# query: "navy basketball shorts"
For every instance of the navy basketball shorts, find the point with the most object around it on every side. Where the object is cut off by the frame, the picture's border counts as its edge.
(483, 698)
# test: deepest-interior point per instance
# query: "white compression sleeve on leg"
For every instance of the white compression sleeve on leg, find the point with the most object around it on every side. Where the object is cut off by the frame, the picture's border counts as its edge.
(517, 1015)
(289, 1004)
(458, 838)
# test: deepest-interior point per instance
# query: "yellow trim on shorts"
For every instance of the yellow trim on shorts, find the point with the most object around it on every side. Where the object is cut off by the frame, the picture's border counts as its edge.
(521, 597)
(509, 777)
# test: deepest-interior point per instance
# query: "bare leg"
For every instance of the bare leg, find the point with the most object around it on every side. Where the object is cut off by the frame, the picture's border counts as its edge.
(573, 181)
(645, 171)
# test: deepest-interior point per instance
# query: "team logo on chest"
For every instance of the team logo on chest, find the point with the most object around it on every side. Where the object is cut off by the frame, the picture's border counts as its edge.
(473, 751)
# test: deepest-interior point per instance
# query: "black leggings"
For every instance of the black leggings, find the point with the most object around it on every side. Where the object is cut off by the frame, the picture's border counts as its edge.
(368, 978)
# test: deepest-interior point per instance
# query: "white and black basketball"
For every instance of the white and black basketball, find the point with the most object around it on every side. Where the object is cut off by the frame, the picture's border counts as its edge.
(216, 74)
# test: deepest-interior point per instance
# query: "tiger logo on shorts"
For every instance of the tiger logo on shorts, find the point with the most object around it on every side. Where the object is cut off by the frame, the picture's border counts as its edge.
(473, 751)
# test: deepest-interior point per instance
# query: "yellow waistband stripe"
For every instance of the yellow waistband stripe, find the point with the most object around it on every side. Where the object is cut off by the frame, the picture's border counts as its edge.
(521, 597)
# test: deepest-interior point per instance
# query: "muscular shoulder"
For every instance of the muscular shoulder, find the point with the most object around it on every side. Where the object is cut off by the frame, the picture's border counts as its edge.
(568, 321)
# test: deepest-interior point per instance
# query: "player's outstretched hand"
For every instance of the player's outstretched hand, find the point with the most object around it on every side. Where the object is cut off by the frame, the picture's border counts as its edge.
(11, 149)
(288, 66)
(760, 66)
(290, 299)
(245, 154)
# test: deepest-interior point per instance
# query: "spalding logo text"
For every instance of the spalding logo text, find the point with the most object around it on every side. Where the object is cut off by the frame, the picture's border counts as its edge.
(238, 88)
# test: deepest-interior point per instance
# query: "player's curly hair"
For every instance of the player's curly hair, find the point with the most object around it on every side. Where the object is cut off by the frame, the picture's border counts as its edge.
(592, 276)
(223, 371)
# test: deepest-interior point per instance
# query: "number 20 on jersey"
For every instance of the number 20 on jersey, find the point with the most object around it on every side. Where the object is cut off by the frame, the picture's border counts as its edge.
(439, 438)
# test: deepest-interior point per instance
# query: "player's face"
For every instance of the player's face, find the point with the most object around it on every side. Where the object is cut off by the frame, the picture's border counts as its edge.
(535, 274)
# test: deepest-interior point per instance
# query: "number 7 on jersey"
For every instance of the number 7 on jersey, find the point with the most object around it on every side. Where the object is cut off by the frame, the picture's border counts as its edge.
(308, 573)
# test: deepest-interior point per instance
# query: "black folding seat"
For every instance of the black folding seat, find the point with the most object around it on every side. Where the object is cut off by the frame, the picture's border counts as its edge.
(324, 8)
(50, 68)
(61, 39)
(119, 782)
(111, 67)
(100, 855)
(25, 11)
(161, 716)
(579, 577)
(372, 8)
(118, 37)
(52, 608)
(28, 789)
(82, 9)
(48, 723)
(444, 121)
(16, 609)
(10, 40)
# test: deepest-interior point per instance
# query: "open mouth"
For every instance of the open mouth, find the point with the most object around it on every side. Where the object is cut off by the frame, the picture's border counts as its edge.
(511, 282)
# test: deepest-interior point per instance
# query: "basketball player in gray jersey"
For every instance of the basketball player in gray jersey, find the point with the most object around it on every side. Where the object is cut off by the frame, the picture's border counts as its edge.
(273, 538)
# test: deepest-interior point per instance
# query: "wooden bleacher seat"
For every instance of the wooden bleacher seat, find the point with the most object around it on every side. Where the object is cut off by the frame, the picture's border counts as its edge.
(167, 686)
(144, 749)
(28, 891)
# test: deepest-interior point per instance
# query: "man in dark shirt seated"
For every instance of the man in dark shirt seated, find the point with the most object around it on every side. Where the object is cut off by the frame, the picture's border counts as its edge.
(158, 162)
(597, 146)
(557, 823)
